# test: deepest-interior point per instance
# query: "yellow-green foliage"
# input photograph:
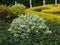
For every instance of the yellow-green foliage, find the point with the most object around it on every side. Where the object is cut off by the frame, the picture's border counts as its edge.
(3, 8)
(46, 12)
(17, 9)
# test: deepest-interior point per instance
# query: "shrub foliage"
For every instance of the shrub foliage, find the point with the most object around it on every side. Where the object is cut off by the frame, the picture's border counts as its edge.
(48, 12)
(11, 12)
(17, 9)
(29, 29)
(3, 11)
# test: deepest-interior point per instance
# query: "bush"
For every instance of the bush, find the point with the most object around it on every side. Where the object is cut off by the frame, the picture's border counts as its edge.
(29, 30)
(3, 11)
(17, 9)
(4, 36)
(11, 12)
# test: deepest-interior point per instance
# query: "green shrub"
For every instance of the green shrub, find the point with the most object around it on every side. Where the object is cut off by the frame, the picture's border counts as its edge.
(4, 33)
(11, 12)
(3, 11)
(29, 30)
(17, 9)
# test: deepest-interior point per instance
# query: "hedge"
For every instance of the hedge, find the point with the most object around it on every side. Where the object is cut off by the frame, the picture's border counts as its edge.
(46, 12)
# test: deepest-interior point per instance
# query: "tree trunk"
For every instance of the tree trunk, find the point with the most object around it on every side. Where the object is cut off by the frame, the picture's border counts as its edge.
(30, 3)
(55, 2)
(15, 2)
(43, 2)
